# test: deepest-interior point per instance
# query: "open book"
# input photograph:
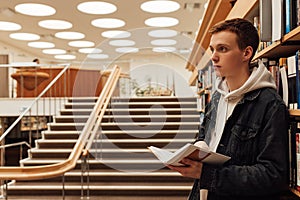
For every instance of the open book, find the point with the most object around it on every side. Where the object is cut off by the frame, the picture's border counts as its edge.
(191, 151)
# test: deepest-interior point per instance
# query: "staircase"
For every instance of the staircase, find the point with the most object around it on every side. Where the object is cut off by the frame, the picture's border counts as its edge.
(119, 166)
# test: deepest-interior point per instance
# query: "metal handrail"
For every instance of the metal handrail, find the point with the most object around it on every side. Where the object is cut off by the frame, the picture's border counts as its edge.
(34, 102)
(14, 144)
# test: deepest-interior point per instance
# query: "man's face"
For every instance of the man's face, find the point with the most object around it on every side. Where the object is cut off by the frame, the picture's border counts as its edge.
(227, 58)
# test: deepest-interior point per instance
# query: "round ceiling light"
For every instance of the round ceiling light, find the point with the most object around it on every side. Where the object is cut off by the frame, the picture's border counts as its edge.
(161, 21)
(127, 50)
(160, 6)
(164, 33)
(90, 50)
(108, 23)
(163, 42)
(35, 9)
(54, 51)
(97, 56)
(96, 7)
(55, 24)
(24, 36)
(65, 57)
(68, 35)
(9, 26)
(81, 44)
(164, 49)
(116, 34)
(121, 43)
(42, 45)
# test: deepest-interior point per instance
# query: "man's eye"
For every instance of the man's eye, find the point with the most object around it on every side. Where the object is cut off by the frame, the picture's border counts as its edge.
(222, 49)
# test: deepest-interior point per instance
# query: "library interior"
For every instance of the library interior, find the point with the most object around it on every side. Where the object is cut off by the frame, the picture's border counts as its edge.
(150, 99)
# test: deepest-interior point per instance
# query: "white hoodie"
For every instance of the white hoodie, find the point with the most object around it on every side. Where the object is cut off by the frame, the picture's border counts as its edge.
(259, 78)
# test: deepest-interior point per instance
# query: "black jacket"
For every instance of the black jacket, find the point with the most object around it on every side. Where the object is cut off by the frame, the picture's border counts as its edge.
(255, 136)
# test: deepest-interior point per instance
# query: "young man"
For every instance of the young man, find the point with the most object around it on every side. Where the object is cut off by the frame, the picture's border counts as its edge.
(246, 119)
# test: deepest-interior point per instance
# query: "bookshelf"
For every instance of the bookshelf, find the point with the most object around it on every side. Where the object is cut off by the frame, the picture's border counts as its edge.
(200, 55)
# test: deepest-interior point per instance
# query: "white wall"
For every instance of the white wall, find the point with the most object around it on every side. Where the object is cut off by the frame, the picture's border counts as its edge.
(163, 70)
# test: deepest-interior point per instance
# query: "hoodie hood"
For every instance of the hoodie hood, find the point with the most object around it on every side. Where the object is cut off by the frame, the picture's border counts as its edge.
(259, 78)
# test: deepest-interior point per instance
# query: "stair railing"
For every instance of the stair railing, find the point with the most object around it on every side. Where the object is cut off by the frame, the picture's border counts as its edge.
(95, 132)
(58, 169)
(35, 105)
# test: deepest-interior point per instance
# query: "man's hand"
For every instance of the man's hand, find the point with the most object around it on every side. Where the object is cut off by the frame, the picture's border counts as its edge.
(192, 169)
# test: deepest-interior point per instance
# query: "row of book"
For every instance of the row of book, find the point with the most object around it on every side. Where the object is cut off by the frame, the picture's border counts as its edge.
(276, 18)
(294, 154)
(205, 86)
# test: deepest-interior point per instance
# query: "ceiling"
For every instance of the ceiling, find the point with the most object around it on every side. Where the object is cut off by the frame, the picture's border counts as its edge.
(189, 14)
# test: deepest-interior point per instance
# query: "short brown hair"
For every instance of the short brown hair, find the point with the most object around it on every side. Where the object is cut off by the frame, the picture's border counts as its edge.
(247, 34)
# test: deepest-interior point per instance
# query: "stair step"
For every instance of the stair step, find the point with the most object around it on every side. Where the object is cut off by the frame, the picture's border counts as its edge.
(115, 153)
(101, 188)
(110, 143)
(134, 111)
(127, 126)
(128, 176)
(125, 134)
(104, 164)
(154, 99)
(124, 118)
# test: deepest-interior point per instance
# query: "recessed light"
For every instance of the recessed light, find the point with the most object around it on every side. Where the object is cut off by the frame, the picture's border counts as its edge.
(163, 49)
(90, 50)
(9, 26)
(43, 45)
(65, 57)
(55, 24)
(164, 33)
(108, 23)
(54, 51)
(68, 35)
(97, 56)
(116, 34)
(160, 6)
(24, 36)
(122, 43)
(96, 7)
(35, 9)
(163, 42)
(127, 50)
(81, 44)
(161, 21)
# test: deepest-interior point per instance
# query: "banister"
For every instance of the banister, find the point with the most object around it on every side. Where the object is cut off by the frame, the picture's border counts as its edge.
(57, 169)
(34, 102)
(97, 124)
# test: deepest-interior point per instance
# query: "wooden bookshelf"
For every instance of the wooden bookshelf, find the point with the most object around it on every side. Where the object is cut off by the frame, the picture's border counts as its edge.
(215, 12)
(288, 45)
(295, 113)
(296, 192)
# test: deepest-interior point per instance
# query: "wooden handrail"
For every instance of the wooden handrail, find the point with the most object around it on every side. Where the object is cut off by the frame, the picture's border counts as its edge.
(58, 169)
(102, 112)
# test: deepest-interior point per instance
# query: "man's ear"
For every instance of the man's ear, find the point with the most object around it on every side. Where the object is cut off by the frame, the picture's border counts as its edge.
(248, 52)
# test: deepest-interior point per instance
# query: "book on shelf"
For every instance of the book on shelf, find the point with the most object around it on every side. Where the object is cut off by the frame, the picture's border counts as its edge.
(294, 154)
(284, 81)
(190, 151)
(297, 57)
(291, 15)
(277, 19)
(265, 21)
(292, 92)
